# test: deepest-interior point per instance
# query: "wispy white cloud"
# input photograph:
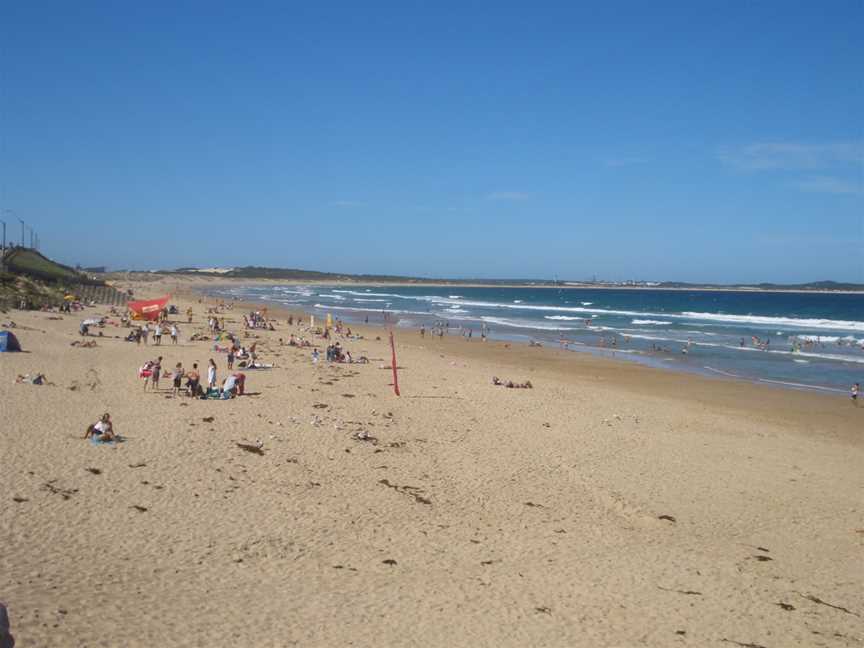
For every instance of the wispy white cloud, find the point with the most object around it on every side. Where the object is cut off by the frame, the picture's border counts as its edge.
(346, 203)
(790, 155)
(627, 160)
(826, 184)
(507, 195)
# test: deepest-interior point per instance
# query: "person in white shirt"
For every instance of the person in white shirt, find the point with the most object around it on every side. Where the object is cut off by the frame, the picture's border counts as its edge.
(102, 430)
(211, 375)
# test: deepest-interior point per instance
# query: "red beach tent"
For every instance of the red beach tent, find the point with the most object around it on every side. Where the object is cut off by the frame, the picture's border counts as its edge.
(148, 309)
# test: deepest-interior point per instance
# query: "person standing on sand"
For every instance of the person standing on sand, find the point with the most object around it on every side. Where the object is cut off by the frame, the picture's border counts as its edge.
(157, 334)
(211, 375)
(853, 393)
(156, 373)
(193, 380)
(174, 331)
(145, 331)
(189, 315)
(177, 379)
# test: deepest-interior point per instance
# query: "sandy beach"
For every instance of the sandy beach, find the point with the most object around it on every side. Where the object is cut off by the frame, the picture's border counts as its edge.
(611, 505)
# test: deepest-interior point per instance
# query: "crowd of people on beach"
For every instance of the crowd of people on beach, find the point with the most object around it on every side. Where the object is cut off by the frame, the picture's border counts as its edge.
(196, 383)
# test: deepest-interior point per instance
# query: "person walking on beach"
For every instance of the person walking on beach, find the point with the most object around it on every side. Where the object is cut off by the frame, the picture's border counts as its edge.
(145, 331)
(174, 331)
(189, 315)
(157, 334)
(853, 393)
(231, 350)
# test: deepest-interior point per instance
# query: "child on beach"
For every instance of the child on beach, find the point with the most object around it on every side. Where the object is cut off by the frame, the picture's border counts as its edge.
(853, 393)
(231, 351)
(315, 356)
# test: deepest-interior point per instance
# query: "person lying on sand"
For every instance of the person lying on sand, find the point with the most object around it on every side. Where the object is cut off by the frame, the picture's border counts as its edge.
(102, 430)
(37, 379)
(511, 385)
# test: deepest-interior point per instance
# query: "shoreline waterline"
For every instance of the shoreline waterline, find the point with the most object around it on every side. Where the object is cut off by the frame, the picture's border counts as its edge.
(703, 347)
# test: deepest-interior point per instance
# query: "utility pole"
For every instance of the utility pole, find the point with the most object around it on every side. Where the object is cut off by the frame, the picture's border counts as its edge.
(22, 232)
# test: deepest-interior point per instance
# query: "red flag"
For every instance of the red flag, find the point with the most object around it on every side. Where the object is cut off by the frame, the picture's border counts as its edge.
(393, 361)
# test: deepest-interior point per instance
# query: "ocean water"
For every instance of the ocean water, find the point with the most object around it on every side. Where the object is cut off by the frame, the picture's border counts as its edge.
(800, 340)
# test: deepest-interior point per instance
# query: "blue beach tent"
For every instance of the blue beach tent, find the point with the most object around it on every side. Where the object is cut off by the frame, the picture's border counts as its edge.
(8, 342)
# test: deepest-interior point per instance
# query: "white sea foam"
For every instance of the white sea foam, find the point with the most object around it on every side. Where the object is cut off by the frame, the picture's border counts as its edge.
(500, 321)
(837, 357)
(455, 296)
(782, 321)
(828, 339)
(565, 318)
(381, 301)
(648, 321)
(367, 293)
(367, 310)
(792, 384)
(586, 303)
(725, 373)
(337, 297)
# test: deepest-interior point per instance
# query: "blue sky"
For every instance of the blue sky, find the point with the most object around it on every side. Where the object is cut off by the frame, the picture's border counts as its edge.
(702, 141)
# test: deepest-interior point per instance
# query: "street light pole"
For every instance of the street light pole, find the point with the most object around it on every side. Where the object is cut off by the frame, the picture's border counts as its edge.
(22, 232)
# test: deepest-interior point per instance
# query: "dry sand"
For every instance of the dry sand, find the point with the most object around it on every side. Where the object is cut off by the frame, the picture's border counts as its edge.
(611, 505)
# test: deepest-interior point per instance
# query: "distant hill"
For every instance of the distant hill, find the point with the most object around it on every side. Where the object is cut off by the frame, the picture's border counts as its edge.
(813, 285)
(293, 274)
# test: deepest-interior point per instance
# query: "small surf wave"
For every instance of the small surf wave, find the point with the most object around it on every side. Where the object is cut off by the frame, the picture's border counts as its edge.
(500, 321)
(367, 310)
